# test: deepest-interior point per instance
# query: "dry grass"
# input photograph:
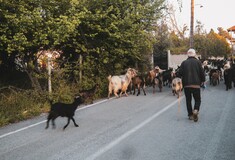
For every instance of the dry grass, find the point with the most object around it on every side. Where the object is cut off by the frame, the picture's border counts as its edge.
(17, 105)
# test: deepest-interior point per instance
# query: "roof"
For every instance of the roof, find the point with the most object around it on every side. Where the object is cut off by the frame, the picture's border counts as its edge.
(231, 29)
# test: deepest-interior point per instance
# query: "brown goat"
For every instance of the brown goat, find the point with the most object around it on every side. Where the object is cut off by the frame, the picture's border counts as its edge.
(151, 75)
(155, 78)
(177, 86)
(158, 82)
(215, 78)
(89, 94)
(138, 81)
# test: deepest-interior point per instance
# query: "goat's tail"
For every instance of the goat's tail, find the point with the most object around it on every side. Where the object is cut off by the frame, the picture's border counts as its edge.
(109, 78)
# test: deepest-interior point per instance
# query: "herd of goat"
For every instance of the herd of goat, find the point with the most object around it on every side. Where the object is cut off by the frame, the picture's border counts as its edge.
(157, 78)
(220, 70)
(217, 70)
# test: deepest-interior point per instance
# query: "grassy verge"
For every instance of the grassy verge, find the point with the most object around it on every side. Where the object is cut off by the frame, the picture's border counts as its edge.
(17, 105)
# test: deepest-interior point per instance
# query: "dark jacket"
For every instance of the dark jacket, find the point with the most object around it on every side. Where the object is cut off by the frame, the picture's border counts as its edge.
(192, 72)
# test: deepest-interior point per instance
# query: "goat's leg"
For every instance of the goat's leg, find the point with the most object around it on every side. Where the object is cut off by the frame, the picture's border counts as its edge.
(124, 90)
(138, 89)
(169, 84)
(230, 84)
(126, 94)
(49, 117)
(115, 93)
(47, 124)
(53, 122)
(119, 94)
(67, 123)
(143, 90)
(109, 94)
(160, 85)
(110, 89)
(130, 88)
(75, 124)
(134, 90)
(153, 87)
(48, 120)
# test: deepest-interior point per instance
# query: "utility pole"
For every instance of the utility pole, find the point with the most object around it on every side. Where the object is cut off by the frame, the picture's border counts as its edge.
(192, 25)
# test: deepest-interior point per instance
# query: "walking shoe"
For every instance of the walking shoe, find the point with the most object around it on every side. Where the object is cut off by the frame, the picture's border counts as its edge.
(190, 117)
(195, 115)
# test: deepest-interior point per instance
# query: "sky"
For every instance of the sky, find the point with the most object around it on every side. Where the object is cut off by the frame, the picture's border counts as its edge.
(213, 14)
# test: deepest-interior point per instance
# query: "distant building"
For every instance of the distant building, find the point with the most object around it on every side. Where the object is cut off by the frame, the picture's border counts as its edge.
(175, 60)
(167, 60)
(231, 30)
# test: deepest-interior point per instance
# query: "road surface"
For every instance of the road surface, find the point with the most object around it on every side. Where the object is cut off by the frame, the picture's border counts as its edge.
(151, 127)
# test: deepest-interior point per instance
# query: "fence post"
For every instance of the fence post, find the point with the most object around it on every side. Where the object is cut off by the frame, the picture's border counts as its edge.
(168, 59)
(49, 72)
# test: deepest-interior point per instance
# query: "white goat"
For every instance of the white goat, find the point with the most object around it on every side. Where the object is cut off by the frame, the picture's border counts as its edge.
(121, 82)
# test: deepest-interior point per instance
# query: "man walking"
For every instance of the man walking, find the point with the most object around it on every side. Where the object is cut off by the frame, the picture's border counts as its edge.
(193, 77)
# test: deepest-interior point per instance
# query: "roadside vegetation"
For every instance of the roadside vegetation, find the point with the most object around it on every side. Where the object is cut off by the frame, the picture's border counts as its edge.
(83, 41)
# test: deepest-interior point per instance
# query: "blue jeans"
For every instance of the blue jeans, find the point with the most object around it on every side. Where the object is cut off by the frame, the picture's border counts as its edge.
(196, 94)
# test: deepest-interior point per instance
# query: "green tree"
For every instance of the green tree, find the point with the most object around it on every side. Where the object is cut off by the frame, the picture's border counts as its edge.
(162, 39)
(29, 26)
(118, 34)
(218, 45)
(98, 36)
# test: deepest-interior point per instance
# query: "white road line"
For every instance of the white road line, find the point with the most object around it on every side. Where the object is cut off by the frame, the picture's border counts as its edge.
(30, 126)
(88, 106)
(128, 133)
(9, 133)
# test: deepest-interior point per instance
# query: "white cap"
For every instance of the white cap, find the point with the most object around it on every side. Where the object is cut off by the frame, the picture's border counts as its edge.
(191, 52)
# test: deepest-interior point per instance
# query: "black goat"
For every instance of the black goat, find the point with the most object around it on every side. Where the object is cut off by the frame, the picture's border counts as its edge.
(89, 94)
(167, 77)
(63, 110)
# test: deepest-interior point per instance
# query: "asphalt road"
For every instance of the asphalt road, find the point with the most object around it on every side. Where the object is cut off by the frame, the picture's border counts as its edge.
(151, 127)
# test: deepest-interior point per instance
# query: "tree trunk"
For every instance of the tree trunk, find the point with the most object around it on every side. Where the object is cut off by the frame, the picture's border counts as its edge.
(34, 81)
